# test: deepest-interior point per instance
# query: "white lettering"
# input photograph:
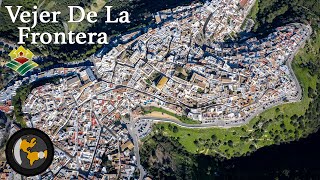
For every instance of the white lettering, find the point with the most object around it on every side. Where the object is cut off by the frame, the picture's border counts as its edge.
(91, 35)
(70, 37)
(21, 35)
(44, 40)
(124, 17)
(43, 15)
(82, 14)
(109, 15)
(35, 19)
(13, 17)
(56, 38)
(62, 38)
(90, 15)
(79, 37)
(23, 15)
(103, 39)
(34, 36)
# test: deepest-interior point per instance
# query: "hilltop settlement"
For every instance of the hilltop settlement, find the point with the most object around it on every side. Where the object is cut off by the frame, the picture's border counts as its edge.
(186, 64)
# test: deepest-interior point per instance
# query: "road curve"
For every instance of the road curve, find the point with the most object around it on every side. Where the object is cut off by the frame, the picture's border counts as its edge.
(135, 139)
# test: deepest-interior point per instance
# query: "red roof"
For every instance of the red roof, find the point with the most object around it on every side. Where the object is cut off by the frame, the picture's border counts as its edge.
(93, 121)
(243, 2)
(5, 109)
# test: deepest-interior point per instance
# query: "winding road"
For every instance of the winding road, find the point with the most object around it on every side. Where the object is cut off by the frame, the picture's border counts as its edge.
(135, 139)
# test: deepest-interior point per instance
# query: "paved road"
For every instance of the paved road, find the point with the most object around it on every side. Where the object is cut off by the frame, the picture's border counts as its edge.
(235, 123)
(289, 62)
(134, 134)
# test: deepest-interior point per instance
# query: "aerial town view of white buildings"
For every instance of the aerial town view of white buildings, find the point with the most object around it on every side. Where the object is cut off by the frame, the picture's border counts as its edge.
(183, 66)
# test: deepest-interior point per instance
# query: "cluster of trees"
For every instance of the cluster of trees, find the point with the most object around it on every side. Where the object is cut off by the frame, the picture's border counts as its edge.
(207, 166)
(22, 94)
(269, 14)
(173, 128)
(165, 158)
(5, 73)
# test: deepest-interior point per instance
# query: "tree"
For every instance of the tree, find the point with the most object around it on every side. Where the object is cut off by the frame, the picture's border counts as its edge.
(252, 147)
(294, 117)
(311, 92)
(162, 128)
(213, 137)
(196, 142)
(175, 129)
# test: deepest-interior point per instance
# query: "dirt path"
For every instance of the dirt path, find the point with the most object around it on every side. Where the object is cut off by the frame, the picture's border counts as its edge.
(161, 115)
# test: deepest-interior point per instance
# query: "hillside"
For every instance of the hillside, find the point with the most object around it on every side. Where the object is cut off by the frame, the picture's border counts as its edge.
(207, 149)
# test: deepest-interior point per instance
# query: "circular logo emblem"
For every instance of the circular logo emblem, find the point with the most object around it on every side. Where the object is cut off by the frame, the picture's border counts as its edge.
(29, 152)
